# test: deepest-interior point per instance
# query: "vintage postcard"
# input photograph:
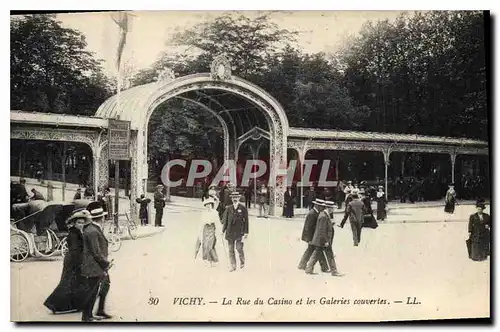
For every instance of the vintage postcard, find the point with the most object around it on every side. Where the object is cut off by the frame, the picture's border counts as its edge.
(259, 166)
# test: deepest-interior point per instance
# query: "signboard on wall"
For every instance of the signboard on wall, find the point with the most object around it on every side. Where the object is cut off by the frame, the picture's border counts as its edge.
(119, 140)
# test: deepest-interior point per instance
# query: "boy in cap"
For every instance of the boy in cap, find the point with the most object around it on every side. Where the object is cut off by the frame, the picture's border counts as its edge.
(235, 225)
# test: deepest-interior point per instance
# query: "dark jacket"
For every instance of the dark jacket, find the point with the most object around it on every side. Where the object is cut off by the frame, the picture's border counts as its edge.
(95, 251)
(159, 200)
(323, 233)
(355, 210)
(143, 209)
(310, 225)
(478, 227)
(235, 222)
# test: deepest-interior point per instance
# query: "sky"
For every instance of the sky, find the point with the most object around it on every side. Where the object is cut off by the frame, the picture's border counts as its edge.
(319, 31)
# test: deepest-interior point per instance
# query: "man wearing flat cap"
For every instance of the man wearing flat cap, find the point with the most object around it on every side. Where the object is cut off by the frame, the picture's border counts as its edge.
(95, 265)
(235, 225)
(159, 204)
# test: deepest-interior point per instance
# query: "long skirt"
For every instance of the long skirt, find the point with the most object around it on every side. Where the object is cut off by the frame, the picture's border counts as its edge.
(449, 207)
(208, 243)
(369, 221)
(480, 245)
(70, 294)
(381, 212)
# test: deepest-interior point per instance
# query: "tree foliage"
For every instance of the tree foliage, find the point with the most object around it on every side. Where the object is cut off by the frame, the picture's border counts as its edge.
(51, 70)
(422, 74)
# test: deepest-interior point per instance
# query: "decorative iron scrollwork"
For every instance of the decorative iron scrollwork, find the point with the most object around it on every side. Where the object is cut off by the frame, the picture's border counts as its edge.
(220, 69)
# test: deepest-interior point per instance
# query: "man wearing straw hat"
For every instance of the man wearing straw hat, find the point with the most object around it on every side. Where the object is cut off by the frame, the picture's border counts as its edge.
(95, 265)
(322, 240)
(308, 233)
(235, 225)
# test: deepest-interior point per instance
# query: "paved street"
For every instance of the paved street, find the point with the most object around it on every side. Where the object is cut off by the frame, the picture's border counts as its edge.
(398, 260)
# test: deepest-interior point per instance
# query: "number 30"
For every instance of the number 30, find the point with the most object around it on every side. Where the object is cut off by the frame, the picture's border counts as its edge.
(153, 301)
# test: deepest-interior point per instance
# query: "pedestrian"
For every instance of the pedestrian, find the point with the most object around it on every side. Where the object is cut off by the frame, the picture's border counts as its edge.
(263, 201)
(478, 243)
(355, 212)
(225, 198)
(308, 234)
(311, 197)
(212, 193)
(143, 209)
(381, 204)
(289, 201)
(69, 295)
(159, 204)
(235, 225)
(368, 218)
(450, 199)
(322, 240)
(339, 194)
(88, 193)
(95, 265)
(207, 239)
(248, 197)
(78, 194)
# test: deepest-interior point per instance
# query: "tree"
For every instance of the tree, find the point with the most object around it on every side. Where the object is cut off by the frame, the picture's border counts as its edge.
(424, 73)
(51, 70)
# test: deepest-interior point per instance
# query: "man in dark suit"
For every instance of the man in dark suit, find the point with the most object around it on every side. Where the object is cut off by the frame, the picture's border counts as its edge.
(95, 265)
(159, 203)
(322, 240)
(235, 225)
(308, 233)
(355, 211)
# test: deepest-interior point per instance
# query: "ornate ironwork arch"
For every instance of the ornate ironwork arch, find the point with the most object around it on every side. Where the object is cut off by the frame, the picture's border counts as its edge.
(138, 104)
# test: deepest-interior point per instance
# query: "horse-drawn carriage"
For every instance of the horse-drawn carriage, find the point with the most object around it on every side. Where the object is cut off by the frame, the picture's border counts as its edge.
(39, 229)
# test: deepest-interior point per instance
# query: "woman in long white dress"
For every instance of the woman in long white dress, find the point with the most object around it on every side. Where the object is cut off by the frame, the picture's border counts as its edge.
(207, 239)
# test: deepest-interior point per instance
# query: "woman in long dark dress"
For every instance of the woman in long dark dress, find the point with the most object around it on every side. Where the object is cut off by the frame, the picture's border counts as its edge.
(381, 204)
(479, 234)
(69, 294)
(368, 217)
(288, 208)
(450, 199)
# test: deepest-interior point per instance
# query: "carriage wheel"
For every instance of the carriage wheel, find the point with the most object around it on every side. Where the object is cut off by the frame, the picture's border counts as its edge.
(64, 247)
(115, 242)
(19, 248)
(48, 252)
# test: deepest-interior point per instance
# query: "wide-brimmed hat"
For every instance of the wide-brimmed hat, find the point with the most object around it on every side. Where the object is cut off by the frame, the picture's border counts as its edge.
(159, 186)
(380, 187)
(329, 204)
(209, 200)
(78, 214)
(97, 213)
(320, 202)
(451, 184)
